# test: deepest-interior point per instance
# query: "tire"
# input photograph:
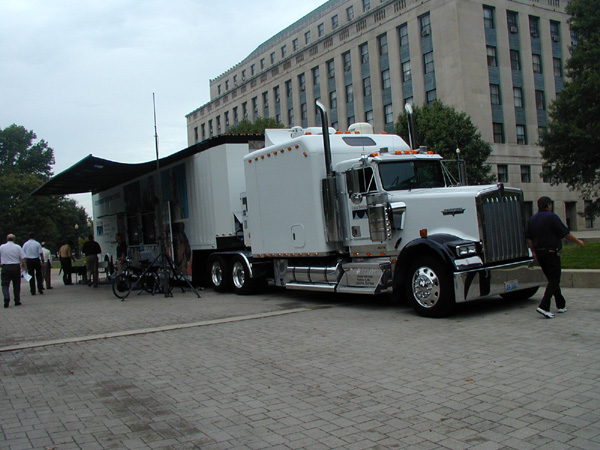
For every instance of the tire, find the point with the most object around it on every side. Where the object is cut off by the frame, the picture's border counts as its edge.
(121, 286)
(520, 295)
(240, 277)
(428, 288)
(218, 271)
(151, 283)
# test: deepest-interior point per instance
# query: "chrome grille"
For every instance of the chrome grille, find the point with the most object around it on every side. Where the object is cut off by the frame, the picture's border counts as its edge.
(502, 225)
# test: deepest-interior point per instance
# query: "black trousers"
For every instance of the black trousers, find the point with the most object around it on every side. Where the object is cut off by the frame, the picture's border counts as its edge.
(550, 264)
(11, 273)
(67, 268)
(34, 268)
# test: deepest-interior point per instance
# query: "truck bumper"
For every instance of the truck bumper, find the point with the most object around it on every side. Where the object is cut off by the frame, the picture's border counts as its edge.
(478, 283)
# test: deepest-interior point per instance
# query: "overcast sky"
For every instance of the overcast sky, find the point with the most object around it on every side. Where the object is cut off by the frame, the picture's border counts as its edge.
(81, 73)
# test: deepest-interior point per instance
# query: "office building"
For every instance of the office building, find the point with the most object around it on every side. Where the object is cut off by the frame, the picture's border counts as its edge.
(500, 61)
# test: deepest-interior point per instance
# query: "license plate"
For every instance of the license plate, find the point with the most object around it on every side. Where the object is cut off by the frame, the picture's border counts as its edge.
(511, 285)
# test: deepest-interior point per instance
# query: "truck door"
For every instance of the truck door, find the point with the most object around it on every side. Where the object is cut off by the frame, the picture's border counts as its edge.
(359, 182)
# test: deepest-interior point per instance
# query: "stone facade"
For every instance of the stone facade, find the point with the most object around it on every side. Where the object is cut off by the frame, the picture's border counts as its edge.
(501, 62)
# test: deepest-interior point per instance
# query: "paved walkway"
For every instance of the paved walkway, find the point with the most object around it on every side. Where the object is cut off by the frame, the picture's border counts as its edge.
(281, 370)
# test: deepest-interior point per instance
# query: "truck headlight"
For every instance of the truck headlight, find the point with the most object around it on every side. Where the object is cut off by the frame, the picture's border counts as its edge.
(465, 250)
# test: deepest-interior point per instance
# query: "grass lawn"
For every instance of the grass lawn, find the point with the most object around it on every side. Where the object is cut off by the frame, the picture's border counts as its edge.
(575, 257)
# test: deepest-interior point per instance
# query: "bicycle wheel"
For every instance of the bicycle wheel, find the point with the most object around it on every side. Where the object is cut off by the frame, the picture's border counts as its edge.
(121, 286)
(151, 282)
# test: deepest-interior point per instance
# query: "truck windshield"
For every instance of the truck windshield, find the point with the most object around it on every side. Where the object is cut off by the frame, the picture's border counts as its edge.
(397, 176)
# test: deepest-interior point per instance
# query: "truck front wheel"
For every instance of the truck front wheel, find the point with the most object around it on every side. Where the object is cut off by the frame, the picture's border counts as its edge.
(219, 274)
(428, 287)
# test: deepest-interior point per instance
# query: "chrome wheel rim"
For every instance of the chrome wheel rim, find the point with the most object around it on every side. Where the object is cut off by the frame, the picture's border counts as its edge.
(239, 274)
(426, 288)
(216, 274)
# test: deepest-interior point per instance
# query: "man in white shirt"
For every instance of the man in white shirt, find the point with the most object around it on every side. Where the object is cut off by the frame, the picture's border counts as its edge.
(47, 266)
(34, 257)
(12, 259)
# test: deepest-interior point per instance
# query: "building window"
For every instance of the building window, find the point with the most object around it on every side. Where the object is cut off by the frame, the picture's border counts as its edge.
(288, 88)
(515, 60)
(276, 95)
(383, 44)
(347, 62)
(385, 79)
(262, 63)
(303, 111)
(589, 218)
(307, 37)
(369, 116)
(406, 72)
(265, 99)
(333, 100)
(428, 62)
(226, 117)
(557, 64)
(367, 87)
(210, 128)
(334, 22)
(350, 93)
(272, 57)
(540, 101)
(245, 111)
(488, 17)
(321, 29)
(525, 174)
(316, 77)
(537, 63)
(236, 118)
(492, 60)
(302, 82)
(388, 114)
(244, 75)
(226, 85)
(330, 69)
(295, 44)
(534, 26)
(283, 51)
(512, 20)
(502, 173)
(252, 69)
(195, 134)
(431, 96)
(518, 97)
(555, 31)
(203, 131)
(498, 133)
(219, 89)
(364, 53)
(546, 174)
(425, 23)
(254, 108)
(351, 120)
(521, 135)
(366, 5)
(495, 94)
(403, 33)
(350, 13)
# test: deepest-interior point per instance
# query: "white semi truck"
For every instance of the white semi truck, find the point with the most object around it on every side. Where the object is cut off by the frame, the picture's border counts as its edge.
(353, 212)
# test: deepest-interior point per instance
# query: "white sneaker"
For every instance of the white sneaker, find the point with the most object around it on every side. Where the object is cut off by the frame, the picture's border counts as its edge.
(562, 310)
(546, 314)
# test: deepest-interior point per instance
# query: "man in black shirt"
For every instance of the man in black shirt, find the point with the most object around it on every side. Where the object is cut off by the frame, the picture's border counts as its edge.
(544, 234)
(91, 249)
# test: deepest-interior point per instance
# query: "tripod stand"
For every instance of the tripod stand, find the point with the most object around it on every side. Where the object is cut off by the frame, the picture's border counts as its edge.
(160, 281)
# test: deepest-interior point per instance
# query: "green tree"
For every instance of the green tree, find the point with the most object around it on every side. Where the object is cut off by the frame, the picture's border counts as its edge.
(442, 129)
(257, 127)
(25, 164)
(571, 142)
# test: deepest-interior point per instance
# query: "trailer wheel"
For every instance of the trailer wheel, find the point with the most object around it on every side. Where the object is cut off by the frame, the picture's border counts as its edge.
(428, 287)
(219, 274)
(520, 295)
(240, 277)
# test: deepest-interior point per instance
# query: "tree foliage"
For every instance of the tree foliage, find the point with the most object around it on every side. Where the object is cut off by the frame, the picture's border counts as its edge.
(25, 164)
(257, 127)
(443, 129)
(570, 145)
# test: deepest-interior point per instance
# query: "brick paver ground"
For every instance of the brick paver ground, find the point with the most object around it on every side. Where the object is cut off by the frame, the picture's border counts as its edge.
(282, 370)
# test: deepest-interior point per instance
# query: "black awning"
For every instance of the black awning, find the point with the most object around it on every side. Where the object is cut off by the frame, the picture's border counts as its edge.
(93, 174)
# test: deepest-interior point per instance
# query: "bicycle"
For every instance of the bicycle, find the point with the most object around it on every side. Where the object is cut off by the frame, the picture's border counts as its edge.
(143, 275)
